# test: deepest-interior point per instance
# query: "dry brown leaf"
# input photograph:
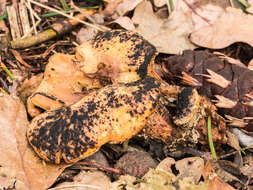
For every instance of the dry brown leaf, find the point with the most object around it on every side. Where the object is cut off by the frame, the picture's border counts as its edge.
(233, 141)
(244, 139)
(214, 181)
(166, 164)
(247, 168)
(111, 6)
(19, 164)
(88, 181)
(29, 86)
(190, 167)
(127, 5)
(121, 7)
(217, 184)
(160, 3)
(85, 34)
(232, 26)
(125, 22)
(171, 35)
(250, 66)
(206, 15)
(168, 36)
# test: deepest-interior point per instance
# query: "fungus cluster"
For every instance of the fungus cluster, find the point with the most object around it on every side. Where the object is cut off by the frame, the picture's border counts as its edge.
(107, 93)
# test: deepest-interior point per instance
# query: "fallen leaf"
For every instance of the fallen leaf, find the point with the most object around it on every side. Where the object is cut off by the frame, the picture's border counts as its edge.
(244, 139)
(160, 3)
(19, 166)
(157, 180)
(232, 26)
(125, 22)
(233, 141)
(168, 36)
(171, 35)
(190, 167)
(206, 15)
(250, 66)
(217, 184)
(121, 7)
(85, 34)
(166, 164)
(127, 5)
(99, 158)
(29, 86)
(88, 181)
(111, 6)
(214, 181)
(247, 168)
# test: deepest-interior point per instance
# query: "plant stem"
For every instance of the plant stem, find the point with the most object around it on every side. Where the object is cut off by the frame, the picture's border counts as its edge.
(210, 138)
(7, 71)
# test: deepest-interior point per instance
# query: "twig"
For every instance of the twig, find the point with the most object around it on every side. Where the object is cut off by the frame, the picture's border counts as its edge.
(64, 5)
(57, 29)
(32, 15)
(72, 4)
(77, 185)
(20, 59)
(99, 166)
(68, 16)
(210, 138)
(244, 3)
(234, 152)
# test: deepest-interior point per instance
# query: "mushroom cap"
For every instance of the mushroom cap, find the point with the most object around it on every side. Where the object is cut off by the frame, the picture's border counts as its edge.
(112, 114)
(124, 56)
(52, 92)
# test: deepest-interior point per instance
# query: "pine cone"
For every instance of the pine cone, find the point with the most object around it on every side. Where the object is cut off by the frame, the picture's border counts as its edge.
(227, 82)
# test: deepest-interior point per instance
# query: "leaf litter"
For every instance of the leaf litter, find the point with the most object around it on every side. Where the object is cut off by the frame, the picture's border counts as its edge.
(19, 164)
(197, 21)
(232, 26)
(171, 34)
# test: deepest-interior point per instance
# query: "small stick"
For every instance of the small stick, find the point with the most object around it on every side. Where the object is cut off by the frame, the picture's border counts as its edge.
(66, 15)
(20, 59)
(99, 166)
(77, 185)
(32, 16)
(57, 29)
(81, 11)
